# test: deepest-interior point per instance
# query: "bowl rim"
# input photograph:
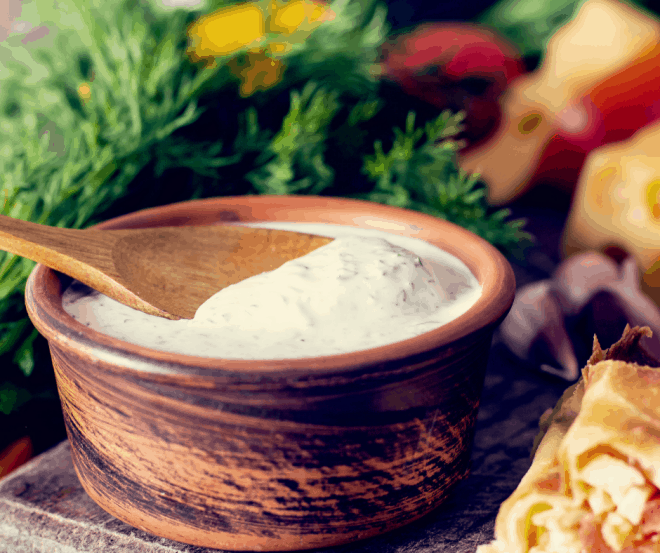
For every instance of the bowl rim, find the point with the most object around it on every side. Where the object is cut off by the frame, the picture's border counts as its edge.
(43, 295)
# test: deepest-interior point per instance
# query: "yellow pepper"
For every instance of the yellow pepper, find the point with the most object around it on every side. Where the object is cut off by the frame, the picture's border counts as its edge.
(295, 15)
(230, 30)
(227, 31)
(617, 203)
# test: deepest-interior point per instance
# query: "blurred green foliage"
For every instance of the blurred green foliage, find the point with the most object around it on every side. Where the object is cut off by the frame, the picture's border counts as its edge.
(529, 24)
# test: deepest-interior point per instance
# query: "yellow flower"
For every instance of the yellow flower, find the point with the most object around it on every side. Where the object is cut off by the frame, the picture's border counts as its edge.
(296, 15)
(85, 92)
(226, 31)
(259, 72)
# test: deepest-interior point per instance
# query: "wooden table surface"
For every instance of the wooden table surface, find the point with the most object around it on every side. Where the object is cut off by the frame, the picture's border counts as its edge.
(44, 508)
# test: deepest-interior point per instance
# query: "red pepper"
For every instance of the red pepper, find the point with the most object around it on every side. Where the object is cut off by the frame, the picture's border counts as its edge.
(14, 455)
(615, 107)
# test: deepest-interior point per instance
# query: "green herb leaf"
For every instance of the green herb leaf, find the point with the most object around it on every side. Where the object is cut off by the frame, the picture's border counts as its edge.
(424, 176)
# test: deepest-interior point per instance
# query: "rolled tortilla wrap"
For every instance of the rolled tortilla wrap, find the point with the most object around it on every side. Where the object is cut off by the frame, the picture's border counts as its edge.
(593, 483)
(611, 455)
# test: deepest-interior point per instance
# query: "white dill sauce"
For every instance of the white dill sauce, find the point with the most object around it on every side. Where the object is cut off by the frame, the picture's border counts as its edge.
(367, 288)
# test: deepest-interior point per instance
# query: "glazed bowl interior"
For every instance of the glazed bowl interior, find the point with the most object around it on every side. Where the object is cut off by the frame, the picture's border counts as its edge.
(485, 262)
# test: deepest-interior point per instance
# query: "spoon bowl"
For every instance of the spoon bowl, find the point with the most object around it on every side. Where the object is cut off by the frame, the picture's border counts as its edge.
(165, 271)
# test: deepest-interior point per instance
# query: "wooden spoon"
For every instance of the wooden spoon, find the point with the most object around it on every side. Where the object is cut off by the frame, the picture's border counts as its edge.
(165, 271)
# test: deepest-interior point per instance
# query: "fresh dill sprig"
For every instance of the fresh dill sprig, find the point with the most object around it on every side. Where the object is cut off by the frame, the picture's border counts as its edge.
(420, 172)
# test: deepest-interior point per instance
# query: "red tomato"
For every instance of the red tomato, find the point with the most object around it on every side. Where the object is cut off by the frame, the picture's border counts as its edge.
(457, 66)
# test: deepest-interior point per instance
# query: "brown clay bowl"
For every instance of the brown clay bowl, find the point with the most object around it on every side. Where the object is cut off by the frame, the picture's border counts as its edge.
(283, 454)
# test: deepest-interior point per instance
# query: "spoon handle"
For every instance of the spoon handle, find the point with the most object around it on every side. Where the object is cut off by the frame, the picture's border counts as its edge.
(65, 250)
